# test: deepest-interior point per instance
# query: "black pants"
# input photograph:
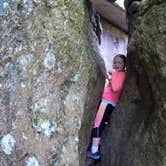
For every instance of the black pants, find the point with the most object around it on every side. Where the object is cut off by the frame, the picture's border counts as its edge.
(97, 132)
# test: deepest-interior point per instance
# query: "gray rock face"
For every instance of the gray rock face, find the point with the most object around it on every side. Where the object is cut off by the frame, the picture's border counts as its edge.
(49, 80)
(147, 41)
(137, 134)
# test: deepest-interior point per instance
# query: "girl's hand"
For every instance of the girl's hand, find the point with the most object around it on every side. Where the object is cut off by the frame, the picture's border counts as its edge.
(109, 78)
(109, 75)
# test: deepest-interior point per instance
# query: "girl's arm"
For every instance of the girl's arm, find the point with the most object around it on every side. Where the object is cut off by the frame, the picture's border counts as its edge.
(108, 78)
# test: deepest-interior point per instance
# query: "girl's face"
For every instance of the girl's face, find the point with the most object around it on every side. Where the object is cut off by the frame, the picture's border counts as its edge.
(118, 64)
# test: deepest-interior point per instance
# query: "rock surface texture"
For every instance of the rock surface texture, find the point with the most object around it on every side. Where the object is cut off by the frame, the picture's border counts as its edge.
(49, 81)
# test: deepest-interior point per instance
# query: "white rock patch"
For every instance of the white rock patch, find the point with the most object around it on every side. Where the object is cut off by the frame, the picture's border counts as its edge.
(7, 143)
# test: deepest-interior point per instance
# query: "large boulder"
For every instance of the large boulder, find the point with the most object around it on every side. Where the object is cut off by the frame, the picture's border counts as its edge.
(50, 81)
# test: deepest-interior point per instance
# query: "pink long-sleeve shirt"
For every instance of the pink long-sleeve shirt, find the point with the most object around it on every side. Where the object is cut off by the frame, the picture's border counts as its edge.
(114, 89)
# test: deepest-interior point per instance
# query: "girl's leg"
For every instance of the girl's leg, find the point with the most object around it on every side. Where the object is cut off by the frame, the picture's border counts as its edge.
(97, 122)
(91, 136)
(102, 118)
(99, 115)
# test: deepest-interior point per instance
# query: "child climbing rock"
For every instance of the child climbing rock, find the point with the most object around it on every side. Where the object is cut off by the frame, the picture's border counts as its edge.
(110, 98)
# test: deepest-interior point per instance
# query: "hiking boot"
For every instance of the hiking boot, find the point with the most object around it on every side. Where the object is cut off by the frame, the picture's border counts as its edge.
(94, 156)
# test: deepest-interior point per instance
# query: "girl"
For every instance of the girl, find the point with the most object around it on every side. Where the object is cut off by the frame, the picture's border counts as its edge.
(110, 98)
